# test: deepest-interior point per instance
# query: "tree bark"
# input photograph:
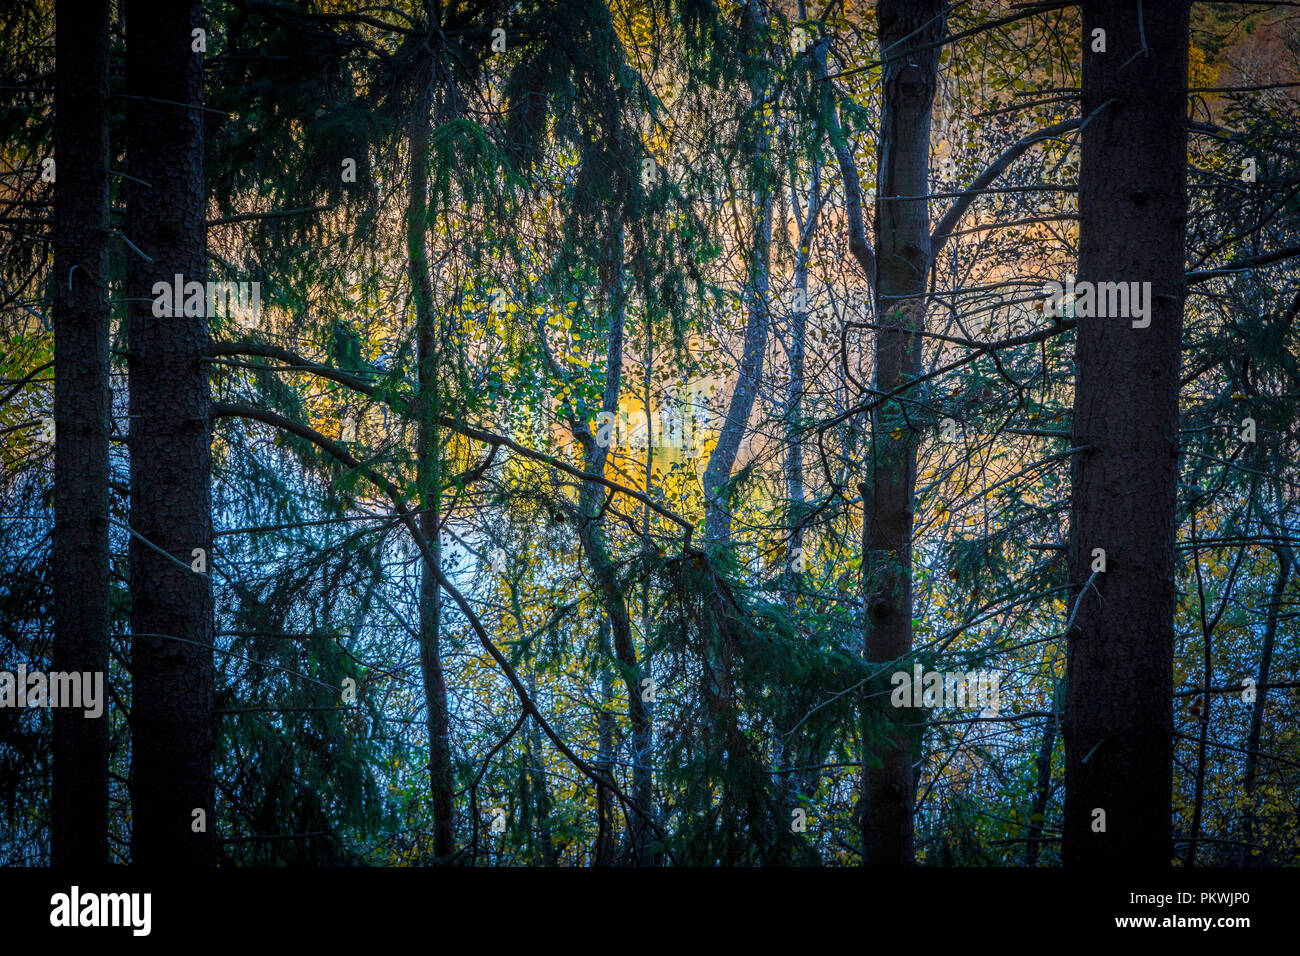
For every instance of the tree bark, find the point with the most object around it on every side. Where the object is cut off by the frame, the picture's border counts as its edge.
(82, 410)
(171, 604)
(1118, 726)
(908, 31)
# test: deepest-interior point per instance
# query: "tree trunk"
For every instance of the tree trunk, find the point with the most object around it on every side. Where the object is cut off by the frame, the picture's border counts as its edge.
(902, 260)
(1043, 787)
(794, 479)
(540, 792)
(1284, 558)
(171, 604)
(1118, 726)
(624, 646)
(82, 408)
(429, 479)
(596, 550)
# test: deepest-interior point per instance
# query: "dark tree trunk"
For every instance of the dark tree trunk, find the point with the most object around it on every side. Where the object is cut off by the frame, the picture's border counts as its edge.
(1118, 726)
(171, 605)
(82, 406)
(908, 28)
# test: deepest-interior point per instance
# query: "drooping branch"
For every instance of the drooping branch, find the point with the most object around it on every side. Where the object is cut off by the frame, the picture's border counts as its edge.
(1241, 265)
(299, 363)
(1056, 328)
(277, 214)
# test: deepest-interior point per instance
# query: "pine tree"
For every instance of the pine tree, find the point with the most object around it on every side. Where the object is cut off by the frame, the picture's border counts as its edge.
(1132, 209)
(172, 786)
(79, 811)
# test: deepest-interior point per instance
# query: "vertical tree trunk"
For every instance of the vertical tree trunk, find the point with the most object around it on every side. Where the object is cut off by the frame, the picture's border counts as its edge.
(1284, 558)
(171, 605)
(540, 792)
(794, 481)
(788, 749)
(428, 476)
(1118, 726)
(1043, 787)
(791, 749)
(596, 550)
(82, 406)
(908, 30)
(624, 646)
